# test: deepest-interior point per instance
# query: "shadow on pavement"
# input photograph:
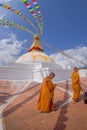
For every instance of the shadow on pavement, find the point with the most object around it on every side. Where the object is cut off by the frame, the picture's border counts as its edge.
(14, 108)
(62, 118)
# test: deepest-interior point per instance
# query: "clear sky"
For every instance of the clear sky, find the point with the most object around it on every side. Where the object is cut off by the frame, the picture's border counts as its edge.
(65, 25)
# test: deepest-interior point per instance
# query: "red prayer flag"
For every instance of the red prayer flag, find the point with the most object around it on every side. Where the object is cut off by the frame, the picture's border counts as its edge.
(33, 0)
(27, 4)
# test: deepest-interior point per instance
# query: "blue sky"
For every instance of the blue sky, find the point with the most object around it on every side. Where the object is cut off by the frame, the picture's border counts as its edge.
(65, 25)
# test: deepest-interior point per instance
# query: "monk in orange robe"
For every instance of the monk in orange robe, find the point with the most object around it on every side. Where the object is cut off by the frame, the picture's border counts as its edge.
(75, 84)
(45, 102)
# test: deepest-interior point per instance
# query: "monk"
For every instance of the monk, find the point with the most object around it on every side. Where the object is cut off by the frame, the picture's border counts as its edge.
(76, 84)
(45, 102)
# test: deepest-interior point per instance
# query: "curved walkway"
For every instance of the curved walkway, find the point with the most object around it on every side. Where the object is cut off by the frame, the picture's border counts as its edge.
(21, 113)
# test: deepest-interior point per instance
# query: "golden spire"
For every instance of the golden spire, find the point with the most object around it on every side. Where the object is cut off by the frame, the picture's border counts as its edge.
(35, 45)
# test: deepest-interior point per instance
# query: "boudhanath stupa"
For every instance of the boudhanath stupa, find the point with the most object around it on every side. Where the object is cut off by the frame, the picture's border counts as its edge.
(33, 65)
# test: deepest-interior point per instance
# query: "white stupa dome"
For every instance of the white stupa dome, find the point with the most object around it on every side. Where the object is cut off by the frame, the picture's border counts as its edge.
(35, 54)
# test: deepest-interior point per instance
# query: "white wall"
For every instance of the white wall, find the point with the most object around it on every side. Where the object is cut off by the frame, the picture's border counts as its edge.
(83, 73)
(16, 74)
(36, 72)
(60, 74)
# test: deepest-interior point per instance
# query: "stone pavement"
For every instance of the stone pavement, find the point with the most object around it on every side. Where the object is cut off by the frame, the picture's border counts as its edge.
(21, 114)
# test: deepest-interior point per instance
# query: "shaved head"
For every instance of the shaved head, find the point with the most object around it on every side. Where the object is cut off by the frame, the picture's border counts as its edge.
(52, 75)
(75, 69)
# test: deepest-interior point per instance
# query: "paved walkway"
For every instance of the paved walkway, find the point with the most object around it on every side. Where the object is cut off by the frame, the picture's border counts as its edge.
(21, 113)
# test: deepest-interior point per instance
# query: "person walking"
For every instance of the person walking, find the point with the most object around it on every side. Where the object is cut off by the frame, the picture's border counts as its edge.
(45, 102)
(76, 85)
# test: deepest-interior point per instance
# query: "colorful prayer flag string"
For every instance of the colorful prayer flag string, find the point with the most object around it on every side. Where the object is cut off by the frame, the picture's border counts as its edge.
(31, 10)
(38, 11)
(20, 14)
(14, 25)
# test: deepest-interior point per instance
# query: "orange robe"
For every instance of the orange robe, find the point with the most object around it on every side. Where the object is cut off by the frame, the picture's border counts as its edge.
(75, 85)
(45, 102)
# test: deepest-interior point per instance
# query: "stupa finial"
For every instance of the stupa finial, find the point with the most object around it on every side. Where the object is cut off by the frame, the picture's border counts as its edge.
(36, 45)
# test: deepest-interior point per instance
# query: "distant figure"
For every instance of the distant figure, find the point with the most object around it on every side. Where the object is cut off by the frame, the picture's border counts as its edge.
(76, 84)
(45, 102)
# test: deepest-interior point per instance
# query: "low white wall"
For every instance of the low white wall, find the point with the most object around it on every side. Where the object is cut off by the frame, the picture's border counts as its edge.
(15, 74)
(83, 73)
(60, 74)
(36, 73)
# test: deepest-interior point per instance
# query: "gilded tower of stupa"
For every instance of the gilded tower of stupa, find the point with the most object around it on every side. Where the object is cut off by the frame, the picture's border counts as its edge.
(35, 53)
